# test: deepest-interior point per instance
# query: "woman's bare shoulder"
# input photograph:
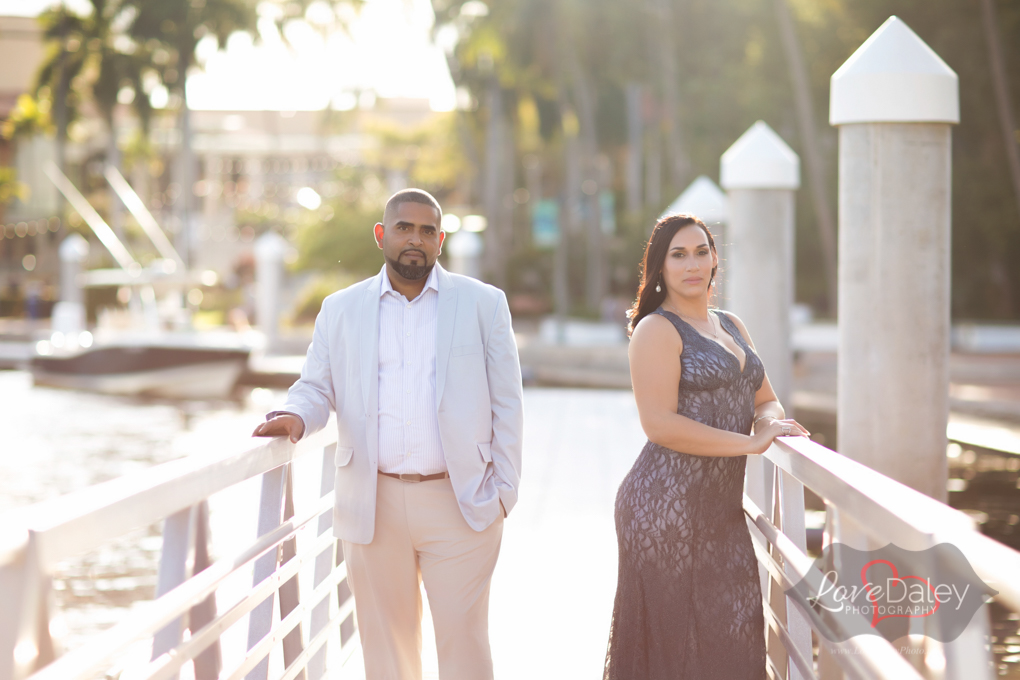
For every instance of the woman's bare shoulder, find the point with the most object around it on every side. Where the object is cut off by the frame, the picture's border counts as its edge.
(654, 332)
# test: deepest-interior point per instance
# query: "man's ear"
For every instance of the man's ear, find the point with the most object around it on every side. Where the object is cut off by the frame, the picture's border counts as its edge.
(442, 237)
(378, 232)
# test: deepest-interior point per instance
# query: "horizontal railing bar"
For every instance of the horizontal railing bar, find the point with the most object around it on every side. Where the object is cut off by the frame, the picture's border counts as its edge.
(166, 665)
(996, 564)
(265, 645)
(80, 521)
(888, 663)
(153, 616)
(908, 518)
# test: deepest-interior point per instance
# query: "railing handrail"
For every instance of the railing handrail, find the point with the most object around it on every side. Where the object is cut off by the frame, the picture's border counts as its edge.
(909, 518)
(79, 521)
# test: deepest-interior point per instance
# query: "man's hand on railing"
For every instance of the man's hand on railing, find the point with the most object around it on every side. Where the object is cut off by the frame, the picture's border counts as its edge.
(766, 431)
(282, 425)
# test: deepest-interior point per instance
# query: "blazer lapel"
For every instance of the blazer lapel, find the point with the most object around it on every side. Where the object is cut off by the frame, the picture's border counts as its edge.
(370, 347)
(446, 313)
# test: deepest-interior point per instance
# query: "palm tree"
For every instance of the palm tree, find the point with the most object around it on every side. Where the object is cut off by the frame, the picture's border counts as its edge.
(66, 35)
(90, 59)
(177, 26)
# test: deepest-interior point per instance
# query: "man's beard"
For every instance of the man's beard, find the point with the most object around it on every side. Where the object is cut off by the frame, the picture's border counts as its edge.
(412, 272)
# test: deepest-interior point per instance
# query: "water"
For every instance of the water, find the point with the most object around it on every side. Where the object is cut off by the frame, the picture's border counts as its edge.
(53, 442)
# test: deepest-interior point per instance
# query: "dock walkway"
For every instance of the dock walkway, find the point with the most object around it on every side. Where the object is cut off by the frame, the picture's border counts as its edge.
(552, 592)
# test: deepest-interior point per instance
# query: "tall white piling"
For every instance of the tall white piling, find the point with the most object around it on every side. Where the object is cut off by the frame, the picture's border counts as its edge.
(270, 250)
(69, 312)
(760, 173)
(465, 251)
(706, 200)
(894, 101)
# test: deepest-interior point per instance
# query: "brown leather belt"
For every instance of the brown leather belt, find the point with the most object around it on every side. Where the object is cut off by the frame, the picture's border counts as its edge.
(415, 477)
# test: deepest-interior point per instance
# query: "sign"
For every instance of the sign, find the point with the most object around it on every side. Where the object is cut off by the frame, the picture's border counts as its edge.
(545, 223)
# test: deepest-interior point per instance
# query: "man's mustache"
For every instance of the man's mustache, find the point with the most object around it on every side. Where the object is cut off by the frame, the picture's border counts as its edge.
(413, 250)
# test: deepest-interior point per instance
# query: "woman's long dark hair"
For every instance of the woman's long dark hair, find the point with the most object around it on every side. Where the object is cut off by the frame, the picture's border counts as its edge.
(648, 299)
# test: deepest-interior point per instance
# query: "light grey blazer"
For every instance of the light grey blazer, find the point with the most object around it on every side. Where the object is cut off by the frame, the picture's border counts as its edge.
(478, 396)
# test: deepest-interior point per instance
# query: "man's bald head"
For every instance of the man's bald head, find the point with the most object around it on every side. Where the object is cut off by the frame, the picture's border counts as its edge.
(411, 196)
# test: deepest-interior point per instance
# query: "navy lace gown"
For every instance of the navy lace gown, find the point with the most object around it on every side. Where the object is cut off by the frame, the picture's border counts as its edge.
(688, 600)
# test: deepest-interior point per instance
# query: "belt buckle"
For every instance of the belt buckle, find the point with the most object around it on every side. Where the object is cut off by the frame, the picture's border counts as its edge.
(410, 477)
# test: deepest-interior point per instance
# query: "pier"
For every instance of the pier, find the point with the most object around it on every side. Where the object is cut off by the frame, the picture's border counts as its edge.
(251, 583)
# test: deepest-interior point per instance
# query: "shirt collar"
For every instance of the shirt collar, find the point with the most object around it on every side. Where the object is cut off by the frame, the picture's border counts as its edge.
(387, 287)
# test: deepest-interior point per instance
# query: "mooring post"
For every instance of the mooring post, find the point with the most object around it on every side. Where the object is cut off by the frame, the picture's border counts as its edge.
(270, 250)
(760, 174)
(69, 312)
(894, 101)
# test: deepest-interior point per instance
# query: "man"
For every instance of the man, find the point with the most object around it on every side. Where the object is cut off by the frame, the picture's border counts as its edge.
(422, 370)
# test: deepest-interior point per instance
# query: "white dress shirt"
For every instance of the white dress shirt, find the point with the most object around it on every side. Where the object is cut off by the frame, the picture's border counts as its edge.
(409, 439)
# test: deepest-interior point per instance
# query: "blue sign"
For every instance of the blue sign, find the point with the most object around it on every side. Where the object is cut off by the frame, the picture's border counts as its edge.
(607, 202)
(545, 222)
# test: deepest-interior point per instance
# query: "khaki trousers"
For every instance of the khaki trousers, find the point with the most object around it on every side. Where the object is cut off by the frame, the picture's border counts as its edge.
(421, 535)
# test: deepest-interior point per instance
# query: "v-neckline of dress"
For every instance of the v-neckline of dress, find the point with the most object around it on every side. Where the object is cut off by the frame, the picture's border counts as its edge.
(717, 343)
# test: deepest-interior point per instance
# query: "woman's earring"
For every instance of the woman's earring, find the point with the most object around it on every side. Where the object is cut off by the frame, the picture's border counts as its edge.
(658, 288)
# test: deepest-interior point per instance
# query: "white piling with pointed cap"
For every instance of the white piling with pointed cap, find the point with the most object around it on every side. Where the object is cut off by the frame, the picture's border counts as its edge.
(760, 173)
(706, 200)
(465, 251)
(270, 250)
(894, 101)
(69, 313)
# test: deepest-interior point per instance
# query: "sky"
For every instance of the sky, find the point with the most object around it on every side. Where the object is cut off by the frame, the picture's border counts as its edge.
(387, 50)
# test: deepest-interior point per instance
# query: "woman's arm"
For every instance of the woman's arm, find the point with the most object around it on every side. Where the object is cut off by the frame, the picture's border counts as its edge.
(654, 353)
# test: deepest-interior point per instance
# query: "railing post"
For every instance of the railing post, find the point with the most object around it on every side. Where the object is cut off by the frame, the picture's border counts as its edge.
(323, 567)
(185, 553)
(25, 641)
(290, 597)
(791, 502)
(260, 620)
(209, 663)
(775, 649)
(894, 101)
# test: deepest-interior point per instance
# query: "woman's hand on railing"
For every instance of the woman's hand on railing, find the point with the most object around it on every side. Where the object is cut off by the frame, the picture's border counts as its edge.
(282, 425)
(767, 430)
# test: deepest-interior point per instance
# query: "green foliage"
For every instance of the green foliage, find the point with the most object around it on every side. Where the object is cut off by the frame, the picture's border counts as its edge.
(309, 299)
(723, 61)
(10, 187)
(28, 118)
(344, 241)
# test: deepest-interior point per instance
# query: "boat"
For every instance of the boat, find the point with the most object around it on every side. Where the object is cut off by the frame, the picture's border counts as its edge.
(166, 365)
(149, 349)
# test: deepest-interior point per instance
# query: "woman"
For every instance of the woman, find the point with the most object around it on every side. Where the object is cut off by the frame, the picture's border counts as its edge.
(688, 600)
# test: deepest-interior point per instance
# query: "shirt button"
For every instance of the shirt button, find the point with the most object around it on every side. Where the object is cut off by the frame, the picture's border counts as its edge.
(409, 422)
(408, 335)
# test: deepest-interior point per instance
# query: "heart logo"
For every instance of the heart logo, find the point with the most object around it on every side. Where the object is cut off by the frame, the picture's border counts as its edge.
(875, 618)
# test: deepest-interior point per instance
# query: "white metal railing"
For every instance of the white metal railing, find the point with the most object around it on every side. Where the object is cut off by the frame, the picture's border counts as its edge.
(36, 538)
(863, 509)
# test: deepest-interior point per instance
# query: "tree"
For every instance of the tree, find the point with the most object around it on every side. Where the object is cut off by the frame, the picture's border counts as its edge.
(176, 26)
